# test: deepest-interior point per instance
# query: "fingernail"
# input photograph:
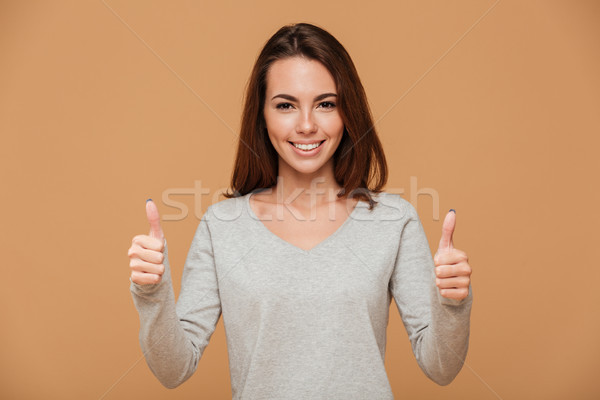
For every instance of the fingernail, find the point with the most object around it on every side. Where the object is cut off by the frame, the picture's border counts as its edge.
(452, 209)
(148, 200)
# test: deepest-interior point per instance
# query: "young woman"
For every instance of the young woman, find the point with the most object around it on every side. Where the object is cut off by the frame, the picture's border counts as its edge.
(304, 255)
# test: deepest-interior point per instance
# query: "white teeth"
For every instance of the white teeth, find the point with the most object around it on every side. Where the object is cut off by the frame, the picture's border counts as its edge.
(307, 146)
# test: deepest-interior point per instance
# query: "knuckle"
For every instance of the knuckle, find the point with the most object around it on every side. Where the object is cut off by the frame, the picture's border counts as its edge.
(132, 253)
(134, 277)
(468, 271)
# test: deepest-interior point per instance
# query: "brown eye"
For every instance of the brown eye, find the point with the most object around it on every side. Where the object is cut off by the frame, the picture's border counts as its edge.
(327, 104)
(283, 106)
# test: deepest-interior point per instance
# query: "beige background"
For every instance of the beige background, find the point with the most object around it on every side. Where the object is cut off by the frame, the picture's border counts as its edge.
(493, 107)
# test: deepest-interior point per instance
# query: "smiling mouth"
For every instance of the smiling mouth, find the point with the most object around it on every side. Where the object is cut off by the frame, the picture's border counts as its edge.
(307, 147)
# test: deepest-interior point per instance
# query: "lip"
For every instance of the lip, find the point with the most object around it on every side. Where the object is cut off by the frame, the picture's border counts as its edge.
(306, 141)
(310, 153)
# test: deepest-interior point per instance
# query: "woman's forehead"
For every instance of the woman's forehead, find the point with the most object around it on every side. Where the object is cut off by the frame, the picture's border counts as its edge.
(299, 75)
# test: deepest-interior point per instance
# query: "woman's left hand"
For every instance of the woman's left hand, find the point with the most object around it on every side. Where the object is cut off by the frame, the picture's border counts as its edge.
(452, 269)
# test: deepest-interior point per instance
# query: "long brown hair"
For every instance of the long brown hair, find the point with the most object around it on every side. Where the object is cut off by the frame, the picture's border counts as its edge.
(359, 161)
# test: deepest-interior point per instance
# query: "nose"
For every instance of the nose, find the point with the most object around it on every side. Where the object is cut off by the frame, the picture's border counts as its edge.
(306, 123)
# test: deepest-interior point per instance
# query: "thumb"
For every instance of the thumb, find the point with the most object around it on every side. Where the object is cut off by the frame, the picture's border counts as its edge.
(154, 220)
(447, 231)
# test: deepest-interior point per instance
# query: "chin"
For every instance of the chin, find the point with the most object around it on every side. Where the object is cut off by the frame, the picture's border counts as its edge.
(307, 171)
(307, 168)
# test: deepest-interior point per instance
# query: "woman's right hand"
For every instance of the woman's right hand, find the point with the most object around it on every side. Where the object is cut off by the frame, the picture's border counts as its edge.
(146, 252)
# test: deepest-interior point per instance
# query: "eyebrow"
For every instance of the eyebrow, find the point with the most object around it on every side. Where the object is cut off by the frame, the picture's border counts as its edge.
(292, 98)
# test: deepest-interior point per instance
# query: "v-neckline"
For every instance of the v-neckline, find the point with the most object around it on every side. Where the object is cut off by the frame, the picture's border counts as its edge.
(284, 242)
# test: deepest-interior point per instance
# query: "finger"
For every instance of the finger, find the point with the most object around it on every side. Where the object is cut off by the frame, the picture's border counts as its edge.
(144, 279)
(154, 220)
(446, 271)
(457, 294)
(447, 231)
(148, 242)
(453, 256)
(151, 256)
(142, 266)
(453, 283)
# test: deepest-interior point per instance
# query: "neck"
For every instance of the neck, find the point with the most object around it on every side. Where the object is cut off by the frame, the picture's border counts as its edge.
(319, 187)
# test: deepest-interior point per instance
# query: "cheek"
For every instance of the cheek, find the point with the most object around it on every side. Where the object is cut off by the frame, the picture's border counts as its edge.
(277, 127)
(334, 127)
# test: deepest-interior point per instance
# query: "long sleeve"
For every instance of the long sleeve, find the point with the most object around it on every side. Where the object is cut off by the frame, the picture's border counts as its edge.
(173, 335)
(438, 327)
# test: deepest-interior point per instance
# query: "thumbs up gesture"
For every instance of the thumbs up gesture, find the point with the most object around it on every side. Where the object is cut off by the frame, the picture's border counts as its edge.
(452, 269)
(146, 251)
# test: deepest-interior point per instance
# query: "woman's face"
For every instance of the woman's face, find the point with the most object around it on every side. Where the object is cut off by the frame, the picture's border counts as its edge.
(301, 108)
